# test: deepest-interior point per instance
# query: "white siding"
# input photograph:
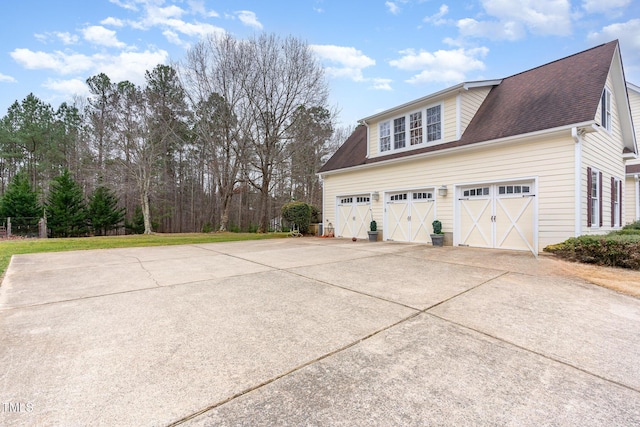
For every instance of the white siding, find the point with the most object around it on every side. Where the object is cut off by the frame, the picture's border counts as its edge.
(550, 161)
(470, 102)
(631, 191)
(603, 151)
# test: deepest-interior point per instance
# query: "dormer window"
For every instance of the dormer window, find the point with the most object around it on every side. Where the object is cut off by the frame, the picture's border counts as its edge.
(605, 110)
(434, 123)
(412, 128)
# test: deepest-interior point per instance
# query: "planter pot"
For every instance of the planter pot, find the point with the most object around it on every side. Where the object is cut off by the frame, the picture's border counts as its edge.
(373, 236)
(437, 239)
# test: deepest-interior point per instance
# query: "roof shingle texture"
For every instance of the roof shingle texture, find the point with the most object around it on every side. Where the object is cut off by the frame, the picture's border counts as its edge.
(560, 93)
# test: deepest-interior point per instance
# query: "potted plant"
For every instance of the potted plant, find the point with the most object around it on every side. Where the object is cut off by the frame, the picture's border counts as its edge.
(437, 238)
(373, 231)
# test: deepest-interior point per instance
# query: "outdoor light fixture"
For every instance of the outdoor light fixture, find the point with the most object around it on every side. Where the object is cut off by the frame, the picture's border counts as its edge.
(375, 196)
(442, 191)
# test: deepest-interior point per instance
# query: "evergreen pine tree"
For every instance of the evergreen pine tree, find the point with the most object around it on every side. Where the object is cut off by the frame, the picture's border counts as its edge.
(66, 210)
(20, 203)
(103, 211)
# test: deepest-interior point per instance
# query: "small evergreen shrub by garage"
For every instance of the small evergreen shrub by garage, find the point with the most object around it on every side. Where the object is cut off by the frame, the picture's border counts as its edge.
(616, 249)
(298, 213)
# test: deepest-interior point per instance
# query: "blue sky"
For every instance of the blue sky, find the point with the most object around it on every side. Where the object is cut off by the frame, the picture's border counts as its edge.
(377, 53)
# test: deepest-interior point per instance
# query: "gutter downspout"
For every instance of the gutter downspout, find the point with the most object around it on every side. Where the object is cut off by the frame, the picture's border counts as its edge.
(637, 191)
(577, 156)
(321, 176)
(368, 144)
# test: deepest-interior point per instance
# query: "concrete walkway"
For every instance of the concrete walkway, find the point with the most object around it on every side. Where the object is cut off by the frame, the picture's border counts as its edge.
(312, 332)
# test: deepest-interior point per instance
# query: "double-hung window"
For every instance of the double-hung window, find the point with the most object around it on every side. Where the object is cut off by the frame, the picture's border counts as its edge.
(399, 134)
(434, 123)
(385, 136)
(415, 128)
(411, 130)
(605, 110)
(594, 198)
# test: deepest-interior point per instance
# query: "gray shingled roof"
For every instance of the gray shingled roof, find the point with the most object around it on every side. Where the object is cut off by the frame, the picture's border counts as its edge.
(560, 93)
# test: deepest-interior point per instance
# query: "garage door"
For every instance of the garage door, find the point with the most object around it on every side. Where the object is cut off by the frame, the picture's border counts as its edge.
(498, 216)
(353, 216)
(409, 215)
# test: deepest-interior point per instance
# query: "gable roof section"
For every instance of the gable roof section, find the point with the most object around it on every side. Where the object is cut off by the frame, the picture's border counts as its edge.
(560, 93)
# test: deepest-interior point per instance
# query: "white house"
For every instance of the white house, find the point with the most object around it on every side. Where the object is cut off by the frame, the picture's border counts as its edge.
(515, 163)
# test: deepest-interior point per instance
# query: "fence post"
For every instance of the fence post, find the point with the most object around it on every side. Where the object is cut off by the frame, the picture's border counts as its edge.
(42, 228)
(8, 227)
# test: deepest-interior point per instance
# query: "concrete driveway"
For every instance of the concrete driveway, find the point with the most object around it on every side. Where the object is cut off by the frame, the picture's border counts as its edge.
(312, 332)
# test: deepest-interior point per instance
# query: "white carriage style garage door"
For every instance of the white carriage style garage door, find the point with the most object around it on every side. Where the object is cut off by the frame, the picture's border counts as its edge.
(353, 216)
(409, 215)
(498, 216)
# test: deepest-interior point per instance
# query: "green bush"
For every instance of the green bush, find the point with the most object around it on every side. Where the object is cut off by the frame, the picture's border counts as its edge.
(632, 226)
(298, 213)
(617, 249)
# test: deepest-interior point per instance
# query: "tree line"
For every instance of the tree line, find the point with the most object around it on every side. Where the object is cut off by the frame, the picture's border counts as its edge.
(218, 141)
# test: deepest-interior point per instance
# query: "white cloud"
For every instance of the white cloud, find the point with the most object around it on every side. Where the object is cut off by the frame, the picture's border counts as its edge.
(130, 65)
(61, 62)
(348, 63)
(437, 18)
(6, 79)
(102, 36)
(381, 84)
(515, 19)
(492, 30)
(249, 19)
(125, 4)
(607, 7)
(349, 57)
(627, 32)
(449, 66)
(114, 22)
(169, 19)
(393, 8)
(67, 38)
(123, 66)
(67, 87)
(198, 7)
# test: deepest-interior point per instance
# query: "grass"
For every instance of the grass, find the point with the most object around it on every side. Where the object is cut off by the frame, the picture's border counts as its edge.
(9, 248)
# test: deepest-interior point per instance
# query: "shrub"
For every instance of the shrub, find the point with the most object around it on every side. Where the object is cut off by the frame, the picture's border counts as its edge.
(298, 213)
(615, 249)
(632, 226)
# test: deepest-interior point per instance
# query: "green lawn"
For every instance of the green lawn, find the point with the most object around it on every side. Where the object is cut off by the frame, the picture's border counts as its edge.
(30, 246)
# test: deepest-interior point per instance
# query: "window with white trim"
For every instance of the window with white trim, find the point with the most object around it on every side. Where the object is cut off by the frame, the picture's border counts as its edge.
(385, 136)
(409, 130)
(415, 128)
(434, 123)
(363, 199)
(594, 198)
(605, 110)
(399, 135)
